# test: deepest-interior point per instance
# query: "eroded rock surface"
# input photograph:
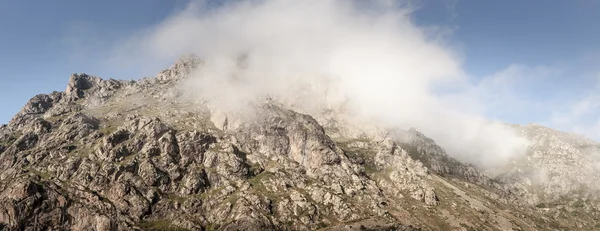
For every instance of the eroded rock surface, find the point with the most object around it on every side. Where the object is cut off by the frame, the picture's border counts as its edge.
(136, 155)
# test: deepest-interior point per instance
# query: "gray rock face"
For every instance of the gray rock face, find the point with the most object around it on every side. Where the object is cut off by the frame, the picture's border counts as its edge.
(79, 83)
(133, 155)
(560, 168)
(277, 131)
(181, 68)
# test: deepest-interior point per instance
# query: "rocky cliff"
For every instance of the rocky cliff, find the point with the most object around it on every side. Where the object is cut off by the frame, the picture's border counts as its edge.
(138, 155)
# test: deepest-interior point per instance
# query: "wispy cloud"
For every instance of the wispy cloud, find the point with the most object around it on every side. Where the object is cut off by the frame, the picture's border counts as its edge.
(371, 58)
(511, 92)
(581, 115)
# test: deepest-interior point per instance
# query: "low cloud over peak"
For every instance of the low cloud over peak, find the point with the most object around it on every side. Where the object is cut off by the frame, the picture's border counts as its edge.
(369, 56)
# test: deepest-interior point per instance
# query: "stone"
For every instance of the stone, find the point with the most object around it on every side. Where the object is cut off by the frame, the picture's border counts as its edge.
(136, 155)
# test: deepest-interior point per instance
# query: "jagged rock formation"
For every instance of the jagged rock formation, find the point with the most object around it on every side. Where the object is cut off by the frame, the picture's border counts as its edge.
(561, 171)
(136, 155)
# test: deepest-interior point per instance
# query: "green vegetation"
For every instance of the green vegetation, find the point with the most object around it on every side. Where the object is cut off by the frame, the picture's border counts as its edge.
(8, 142)
(108, 129)
(159, 225)
(43, 175)
(83, 152)
(232, 199)
(55, 119)
(364, 155)
(127, 159)
(256, 181)
(175, 198)
(259, 188)
(468, 228)
(194, 121)
(212, 227)
(578, 204)
(208, 194)
(382, 174)
(370, 169)
(436, 223)
(256, 168)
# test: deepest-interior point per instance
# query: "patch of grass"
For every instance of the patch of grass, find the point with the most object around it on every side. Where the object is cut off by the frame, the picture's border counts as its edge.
(175, 198)
(159, 225)
(55, 119)
(107, 129)
(383, 174)
(83, 152)
(43, 175)
(212, 227)
(348, 146)
(370, 169)
(256, 181)
(9, 142)
(101, 197)
(193, 121)
(17, 134)
(127, 159)
(364, 156)
(258, 187)
(307, 195)
(232, 199)
(215, 147)
(256, 169)
(578, 204)
(208, 194)
(468, 228)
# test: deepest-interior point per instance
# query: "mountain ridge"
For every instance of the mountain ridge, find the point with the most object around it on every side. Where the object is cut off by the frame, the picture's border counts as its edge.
(139, 155)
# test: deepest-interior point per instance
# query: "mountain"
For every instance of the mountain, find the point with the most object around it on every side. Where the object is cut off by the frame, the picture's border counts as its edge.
(140, 155)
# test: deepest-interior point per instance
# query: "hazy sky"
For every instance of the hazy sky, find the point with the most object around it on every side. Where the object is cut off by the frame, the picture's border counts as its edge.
(537, 61)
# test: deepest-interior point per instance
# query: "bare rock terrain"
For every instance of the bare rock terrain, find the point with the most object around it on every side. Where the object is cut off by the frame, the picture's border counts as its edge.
(139, 155)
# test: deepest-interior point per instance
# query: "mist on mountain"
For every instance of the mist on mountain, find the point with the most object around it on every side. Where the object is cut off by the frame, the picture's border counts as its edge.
(368, 59)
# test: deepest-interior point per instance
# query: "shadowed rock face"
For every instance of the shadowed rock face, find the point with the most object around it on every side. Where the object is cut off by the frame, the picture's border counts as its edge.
(133, 155)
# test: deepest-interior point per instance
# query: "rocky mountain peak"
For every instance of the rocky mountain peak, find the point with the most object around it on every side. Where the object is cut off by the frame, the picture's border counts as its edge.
(181, 68)
(561, 163)
(136, 155)
(80, 82)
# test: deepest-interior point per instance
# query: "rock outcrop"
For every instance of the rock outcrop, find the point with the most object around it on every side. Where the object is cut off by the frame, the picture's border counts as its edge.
(135, 155)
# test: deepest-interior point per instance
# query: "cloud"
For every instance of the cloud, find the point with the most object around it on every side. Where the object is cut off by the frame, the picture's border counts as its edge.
(581, 115)
(368, 56)
(510, 94)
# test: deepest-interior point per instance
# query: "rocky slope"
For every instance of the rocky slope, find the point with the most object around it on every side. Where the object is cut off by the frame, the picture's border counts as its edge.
(138, 155)
(561, 172)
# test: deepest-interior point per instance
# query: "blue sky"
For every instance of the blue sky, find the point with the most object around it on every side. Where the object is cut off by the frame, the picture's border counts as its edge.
(42, 42)
(547, 51)
(559, 35)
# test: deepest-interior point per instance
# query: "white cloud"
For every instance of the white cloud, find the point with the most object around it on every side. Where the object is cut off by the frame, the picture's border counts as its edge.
(579, 116)
(510, 92)
(323, 53)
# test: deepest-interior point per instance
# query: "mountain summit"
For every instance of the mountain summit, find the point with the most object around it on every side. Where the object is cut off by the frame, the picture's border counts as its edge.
(141, 155)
